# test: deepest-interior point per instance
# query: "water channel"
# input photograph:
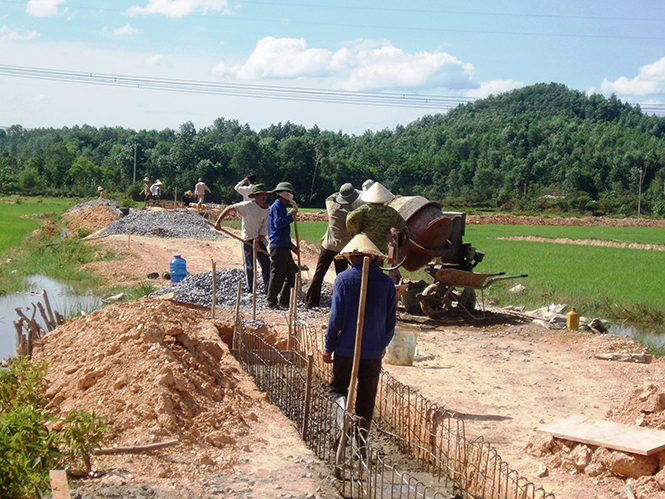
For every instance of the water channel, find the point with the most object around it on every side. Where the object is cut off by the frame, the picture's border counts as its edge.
(62, 297)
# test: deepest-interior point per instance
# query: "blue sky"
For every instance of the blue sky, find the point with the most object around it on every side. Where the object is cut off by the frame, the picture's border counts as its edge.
(406, 59)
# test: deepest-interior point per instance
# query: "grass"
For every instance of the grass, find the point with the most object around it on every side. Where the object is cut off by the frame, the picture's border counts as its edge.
(19, 216)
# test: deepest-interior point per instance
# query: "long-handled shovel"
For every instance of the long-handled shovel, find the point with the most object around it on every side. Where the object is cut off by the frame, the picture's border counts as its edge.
(254, 249)
(350, 399)
(231, 234)
(299, 276)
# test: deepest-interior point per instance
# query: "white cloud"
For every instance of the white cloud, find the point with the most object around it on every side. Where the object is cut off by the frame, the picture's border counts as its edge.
(362, 65)
(9, 34)
(43, 8)
(650, 80)
(122, 31)
(494, 87)
(155, 60)
(623, 85)
(178, 8)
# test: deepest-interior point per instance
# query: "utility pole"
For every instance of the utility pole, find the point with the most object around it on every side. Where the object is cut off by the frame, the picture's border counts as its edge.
(639, 195)
(134, 179)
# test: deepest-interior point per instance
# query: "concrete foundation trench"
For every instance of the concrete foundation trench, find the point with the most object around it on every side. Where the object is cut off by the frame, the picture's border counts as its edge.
(415, 448)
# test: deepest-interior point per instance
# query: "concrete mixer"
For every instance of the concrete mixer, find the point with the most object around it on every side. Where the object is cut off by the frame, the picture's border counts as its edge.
(435, 244)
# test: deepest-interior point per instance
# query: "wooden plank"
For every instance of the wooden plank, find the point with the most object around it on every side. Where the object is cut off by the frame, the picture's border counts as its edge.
(59, 485)
(622, 437)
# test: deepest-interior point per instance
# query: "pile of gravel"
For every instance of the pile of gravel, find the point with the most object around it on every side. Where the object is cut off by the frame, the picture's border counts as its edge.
(114, 205)
(197, 290)
(166, 224)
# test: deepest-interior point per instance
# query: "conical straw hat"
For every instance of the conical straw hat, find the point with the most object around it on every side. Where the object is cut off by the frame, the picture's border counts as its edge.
(360, 245)
(377, 194)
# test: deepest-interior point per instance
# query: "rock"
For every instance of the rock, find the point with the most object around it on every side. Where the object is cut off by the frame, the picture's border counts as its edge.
(597, 326)
(580, 457)
(660, 479)
(630, 465)
(540, 444)
(542, 471)
(113, 298)
(519, 288)
(641, 358)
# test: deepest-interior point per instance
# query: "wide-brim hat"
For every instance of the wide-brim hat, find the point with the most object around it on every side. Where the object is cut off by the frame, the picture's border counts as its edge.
(284, 186)
(100, 188)
(146, 179)
(259, 189)
(360, 245)
(367, 184)
(158, 182)
(377, 194)
(347, 194)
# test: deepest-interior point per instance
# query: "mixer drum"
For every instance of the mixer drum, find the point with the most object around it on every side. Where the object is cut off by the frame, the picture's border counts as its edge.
(428, 229)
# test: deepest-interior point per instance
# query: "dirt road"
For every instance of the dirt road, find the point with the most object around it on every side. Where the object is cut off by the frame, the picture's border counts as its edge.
(505, 376)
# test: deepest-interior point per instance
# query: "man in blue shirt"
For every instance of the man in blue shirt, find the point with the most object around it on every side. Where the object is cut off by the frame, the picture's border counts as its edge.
(378, 328)
(282, 267)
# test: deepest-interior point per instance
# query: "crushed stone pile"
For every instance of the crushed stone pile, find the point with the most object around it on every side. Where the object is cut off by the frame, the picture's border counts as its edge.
(166, 224)
(158, 371)
(94, 217)
(644, 407)
(114, 205)
(197, 289)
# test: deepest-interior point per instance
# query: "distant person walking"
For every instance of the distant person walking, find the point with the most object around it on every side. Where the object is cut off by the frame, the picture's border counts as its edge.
(146, 191)
(254, 215)
(102, 193)
(200, 191)
(338, 206)
(246, 190)
(282, 267)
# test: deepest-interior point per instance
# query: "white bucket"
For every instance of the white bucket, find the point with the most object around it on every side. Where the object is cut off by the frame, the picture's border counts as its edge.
(402, 348)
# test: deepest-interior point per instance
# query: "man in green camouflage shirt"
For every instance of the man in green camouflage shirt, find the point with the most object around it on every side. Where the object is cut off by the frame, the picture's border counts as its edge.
(375, 219)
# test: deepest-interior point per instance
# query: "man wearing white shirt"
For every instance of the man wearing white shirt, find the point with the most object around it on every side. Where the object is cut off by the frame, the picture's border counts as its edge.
(246, 190)
(254, 215)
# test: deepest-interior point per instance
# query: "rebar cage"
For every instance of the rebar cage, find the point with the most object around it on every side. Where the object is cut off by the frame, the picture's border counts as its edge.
(442, 462)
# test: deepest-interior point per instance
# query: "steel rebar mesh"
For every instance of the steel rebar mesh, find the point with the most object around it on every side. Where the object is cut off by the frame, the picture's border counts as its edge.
(449, 464)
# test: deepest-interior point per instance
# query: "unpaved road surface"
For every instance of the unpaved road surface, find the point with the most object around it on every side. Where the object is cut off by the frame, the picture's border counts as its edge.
(505, 376)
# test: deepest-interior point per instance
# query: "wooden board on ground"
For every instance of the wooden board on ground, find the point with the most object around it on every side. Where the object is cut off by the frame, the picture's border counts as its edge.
(59, 485)
(622, 437)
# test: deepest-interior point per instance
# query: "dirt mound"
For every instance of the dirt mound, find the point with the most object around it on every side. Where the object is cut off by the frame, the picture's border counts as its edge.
(645, 407)
(94, 217)
(158, 371)
(501, 219)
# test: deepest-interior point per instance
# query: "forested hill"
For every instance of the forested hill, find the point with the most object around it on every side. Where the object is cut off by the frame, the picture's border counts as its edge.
(540, 147)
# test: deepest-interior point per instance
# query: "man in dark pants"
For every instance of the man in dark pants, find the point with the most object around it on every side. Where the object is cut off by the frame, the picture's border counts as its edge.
(282, 267)
(378, 329)
(338, 206)
(254, 215)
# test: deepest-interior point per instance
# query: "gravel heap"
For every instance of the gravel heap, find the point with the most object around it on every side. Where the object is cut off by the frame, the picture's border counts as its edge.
(167, 224)
(114, 205)
(197, 289)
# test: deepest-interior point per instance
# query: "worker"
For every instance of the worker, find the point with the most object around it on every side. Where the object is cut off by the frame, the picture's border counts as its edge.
(375, 219)
(282, 267)
(102, 193)
(188, 198)
(200, 191)
(378, 328)
(254, 226)
(245, 190)
(338, 206)
(146, 191)
(156, 190)
(367, 184)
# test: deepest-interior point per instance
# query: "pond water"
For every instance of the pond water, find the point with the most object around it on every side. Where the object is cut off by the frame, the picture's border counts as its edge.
(62, 298)
(645, 336)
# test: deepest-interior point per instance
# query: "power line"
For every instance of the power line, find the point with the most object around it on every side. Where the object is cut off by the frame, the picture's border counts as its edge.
(385, 99)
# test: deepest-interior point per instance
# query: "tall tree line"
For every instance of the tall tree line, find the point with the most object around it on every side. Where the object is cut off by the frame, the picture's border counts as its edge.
(540, 147)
